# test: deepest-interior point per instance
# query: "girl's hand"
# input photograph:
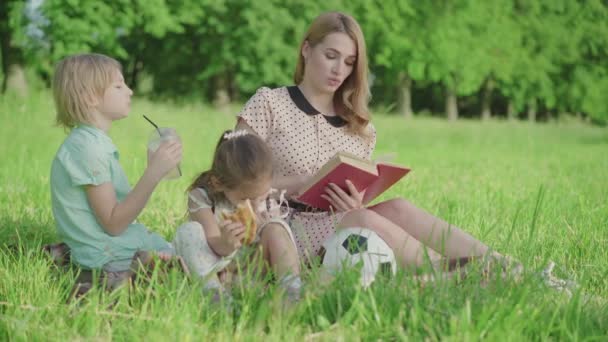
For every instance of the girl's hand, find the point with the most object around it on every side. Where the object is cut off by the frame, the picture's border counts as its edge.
(342, 201)
(232, 234)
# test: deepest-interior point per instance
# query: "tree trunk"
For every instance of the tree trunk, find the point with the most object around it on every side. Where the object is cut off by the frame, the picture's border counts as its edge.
(405, 95)
(486, 101)
(511, 111)
(532, 110)
(12, 57)
(136, 67)
(451, 105)
(15, 80)
(221, 97)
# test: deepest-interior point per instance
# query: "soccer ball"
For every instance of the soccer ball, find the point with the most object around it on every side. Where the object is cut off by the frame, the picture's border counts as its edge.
(351, 247)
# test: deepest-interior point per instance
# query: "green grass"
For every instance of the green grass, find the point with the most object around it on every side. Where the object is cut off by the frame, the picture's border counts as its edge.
(536, 192)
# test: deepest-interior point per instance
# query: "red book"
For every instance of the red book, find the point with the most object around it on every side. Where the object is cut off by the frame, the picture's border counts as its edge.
(374, 178)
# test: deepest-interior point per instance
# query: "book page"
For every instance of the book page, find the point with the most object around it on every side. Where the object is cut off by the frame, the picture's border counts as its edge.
(385, 158)
(388, 175)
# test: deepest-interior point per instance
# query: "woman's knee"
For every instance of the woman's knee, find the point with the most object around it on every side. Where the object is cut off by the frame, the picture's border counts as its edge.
(392, 207)
(359, 218)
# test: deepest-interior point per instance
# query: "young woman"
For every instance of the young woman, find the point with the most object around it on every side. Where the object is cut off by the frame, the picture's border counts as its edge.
(326, 112)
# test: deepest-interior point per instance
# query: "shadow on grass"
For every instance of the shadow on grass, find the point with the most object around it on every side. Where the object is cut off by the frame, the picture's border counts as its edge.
(25, 233)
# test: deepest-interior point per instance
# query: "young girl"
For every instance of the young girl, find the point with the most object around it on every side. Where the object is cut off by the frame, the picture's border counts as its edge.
(241, 170)
(94, 207)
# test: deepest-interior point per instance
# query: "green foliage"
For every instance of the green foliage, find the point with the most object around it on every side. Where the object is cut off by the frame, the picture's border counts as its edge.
(552, 53)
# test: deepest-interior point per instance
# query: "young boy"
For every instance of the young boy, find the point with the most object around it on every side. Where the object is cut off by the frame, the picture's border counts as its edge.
(94, 207)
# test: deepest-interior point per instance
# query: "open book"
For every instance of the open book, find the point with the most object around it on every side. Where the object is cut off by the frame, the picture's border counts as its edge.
(366, 175)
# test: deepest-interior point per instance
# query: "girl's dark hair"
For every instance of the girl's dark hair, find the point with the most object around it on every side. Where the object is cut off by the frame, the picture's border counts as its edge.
(239, 160)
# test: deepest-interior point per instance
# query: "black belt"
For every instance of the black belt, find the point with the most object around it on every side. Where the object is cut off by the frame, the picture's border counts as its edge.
(301, 207)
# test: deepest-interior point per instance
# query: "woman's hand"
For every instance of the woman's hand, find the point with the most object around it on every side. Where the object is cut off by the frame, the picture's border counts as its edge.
(232, 234)
(342, 201)
(292, 184)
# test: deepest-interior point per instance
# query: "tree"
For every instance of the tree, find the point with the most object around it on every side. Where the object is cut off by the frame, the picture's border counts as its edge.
(585, 76)
(546, 48)
(456, 57)
(499, 45)
(396, 43)
(11, 53)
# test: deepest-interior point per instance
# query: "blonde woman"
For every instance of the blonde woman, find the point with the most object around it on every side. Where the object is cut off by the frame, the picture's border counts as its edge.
(326, 112)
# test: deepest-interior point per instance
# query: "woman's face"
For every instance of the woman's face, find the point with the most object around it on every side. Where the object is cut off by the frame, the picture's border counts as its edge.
(329, 62)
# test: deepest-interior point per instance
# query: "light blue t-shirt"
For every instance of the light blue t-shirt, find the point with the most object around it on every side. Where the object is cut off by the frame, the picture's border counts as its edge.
(88, 157)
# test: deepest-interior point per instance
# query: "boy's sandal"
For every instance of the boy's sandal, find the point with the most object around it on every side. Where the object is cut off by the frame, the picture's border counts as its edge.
(82, 285)
(59, 253)
(143, 261)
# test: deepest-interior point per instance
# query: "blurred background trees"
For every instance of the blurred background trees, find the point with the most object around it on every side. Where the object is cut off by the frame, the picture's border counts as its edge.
(529, 59)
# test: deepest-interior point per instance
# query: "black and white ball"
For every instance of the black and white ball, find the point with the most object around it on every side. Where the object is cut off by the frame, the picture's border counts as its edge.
(358, 247)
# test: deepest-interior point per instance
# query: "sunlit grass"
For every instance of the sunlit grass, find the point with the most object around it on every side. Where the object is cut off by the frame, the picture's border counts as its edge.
(536, 192)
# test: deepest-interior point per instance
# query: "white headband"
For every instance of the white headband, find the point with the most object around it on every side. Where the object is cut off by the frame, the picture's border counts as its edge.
(235, 134)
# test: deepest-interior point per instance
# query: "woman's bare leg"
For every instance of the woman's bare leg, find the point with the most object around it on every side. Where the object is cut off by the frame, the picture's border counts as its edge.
(408, 250)
(430, 230)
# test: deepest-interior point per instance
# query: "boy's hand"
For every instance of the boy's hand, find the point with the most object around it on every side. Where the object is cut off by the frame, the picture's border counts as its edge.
(165, 158)
(232, 234)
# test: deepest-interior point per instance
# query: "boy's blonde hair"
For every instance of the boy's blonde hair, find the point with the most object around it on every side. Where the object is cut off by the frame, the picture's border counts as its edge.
(78, 80)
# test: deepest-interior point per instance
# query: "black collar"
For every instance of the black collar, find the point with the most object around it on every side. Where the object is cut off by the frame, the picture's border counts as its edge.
(302, 103)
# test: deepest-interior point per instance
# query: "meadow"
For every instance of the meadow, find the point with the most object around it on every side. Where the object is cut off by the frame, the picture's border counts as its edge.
(538, 192)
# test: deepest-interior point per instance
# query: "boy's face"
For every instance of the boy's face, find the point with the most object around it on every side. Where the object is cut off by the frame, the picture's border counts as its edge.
(116, 101)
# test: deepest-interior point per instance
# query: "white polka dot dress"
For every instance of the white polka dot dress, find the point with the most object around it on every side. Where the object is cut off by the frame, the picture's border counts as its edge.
(302, 140)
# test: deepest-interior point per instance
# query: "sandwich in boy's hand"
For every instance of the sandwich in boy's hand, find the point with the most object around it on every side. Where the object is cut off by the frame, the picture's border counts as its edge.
(246, 216)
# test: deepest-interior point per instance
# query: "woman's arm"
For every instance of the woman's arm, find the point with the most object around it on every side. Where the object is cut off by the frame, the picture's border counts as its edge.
(291, 184)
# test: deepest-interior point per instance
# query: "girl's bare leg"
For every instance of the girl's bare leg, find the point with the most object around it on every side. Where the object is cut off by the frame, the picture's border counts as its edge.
(279, 251)
(408, 250)
(430, 230)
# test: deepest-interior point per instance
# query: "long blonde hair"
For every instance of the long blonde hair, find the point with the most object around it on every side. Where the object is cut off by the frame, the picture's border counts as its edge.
(78, 79)
(351, 99)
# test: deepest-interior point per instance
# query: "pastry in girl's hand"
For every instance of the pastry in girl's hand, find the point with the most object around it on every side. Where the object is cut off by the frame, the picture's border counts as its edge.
(246, 216)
